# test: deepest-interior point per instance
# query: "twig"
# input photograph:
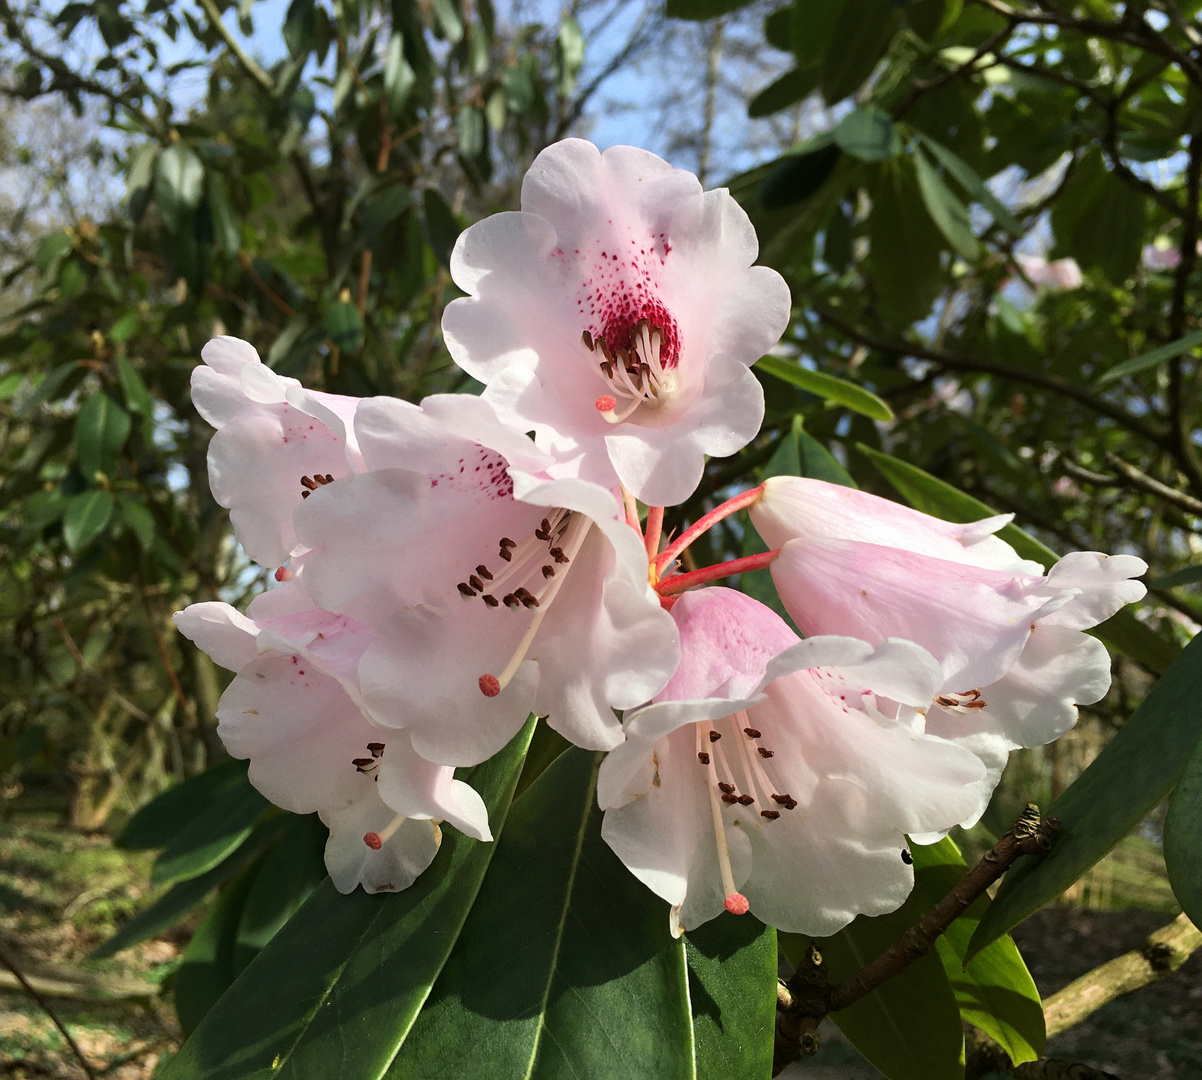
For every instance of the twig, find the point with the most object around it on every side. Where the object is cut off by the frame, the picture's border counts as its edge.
(87, 669)
(806, 998)
(248, 63)
(44, 1005)
(1162, 953)
(1142, 480)
(919, 87)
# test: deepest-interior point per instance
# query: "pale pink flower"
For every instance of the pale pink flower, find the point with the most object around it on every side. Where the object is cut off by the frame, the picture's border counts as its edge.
(297, 439)
(775, 775)
(294, 710)
(616, 316)
(1008, 636)
(1059, 275)
(489, 592)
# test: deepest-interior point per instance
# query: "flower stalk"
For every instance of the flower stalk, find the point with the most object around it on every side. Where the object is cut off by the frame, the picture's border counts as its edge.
(677, 583)
(706, 522)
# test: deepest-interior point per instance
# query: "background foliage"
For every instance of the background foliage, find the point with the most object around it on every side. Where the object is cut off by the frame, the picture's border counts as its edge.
(913, 167)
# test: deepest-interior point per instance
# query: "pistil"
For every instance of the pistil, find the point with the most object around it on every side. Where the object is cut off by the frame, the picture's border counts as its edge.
(375, 841)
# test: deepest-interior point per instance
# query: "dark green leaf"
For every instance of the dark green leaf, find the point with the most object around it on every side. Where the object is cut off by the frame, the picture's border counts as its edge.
(812, 28)
(226, 233)
(101, 428)
(1134, 771)
(447, 14)
(1183, 838)
(51, 251)
(345, 326)
(1091, 194)
(211, 830)
(861, 34)
(49, 386)
(125, 328)
(442, 226)
(86, 516)
(1150, 359)
(178, 185)
(732, 992)
(399, 77)
(792, 87)
(182, 897)
(698, 10)
(470, 126)
(795, 178)
(138, 520)
(974, 186)
(904, 245)
(300, 26)
(947, 211)
(828, 387)
(869, 134)
(137, 397)
(162, 819)
(565, 966)
(1189, 575)
(357, 968)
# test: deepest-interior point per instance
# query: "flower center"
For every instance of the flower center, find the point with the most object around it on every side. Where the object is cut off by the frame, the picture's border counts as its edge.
(310, 484)
(528, 576)
(963, 703)
(636, 359)
(369, 765)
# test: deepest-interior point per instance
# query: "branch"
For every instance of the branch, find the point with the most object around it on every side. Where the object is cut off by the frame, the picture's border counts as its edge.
(919, 87)
(45, 1007)
(245, 59)
(1164, 951)
(1138, 479)
(805, 999)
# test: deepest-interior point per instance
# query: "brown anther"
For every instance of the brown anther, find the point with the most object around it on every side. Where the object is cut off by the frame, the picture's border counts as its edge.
(476, 583)
(765, 753)
(980, 704)
(751, 733)
(730, 798)
(465, 590)
(771, 815)
(306, 494)
(527, 598)
(490, 601)
(558, 555)
(511, 602)
(504, 553)
(703, 757)
(945, 701)
(714, 736)
(782, 800)
(587, 338)
(482, 570)
(362, 763)
(726, 788)
(507, 543)
(745, 800)
(309, 482)
(376, 748)
(607, 369)
(548, 571)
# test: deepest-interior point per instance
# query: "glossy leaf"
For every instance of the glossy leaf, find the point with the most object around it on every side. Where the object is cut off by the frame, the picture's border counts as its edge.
(345, 326)
(85, 518)
(399, 77)
(732, 992)
(861, 35)
(1183, 838)
(178, 185)
(357, 968)
(138, 519)
(828, 387)
(1122, 631)
(1150, 359)
(811, 29)
(565, 966)
(101, 428)
(137, 396)
(796, 177)
(211, 831)
(1134, 771)
(789, 89)
(976, 188)
(162, 819)
(905, 245)
(1188, 575)
(947, 211)
(869, 134)
(48, 388)
(300, 26)
(226, 232)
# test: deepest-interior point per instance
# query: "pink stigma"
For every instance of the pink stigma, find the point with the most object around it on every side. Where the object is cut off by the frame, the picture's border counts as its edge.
(283, 574)
(490, 685)
(606, 403)
(373, 841)
(736, 904)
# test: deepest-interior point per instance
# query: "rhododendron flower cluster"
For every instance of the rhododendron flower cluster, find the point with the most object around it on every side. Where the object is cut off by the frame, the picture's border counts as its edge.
(441, 574)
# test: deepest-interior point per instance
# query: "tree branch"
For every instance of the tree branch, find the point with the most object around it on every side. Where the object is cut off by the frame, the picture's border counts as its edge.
(44, 1005)
(241, 55)
(806, 998)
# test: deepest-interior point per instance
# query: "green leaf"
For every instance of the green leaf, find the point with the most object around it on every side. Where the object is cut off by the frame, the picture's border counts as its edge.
(300, 27)
(948, 212)
(212, 831)
(178, 186)
(569, 54)
(732, 992)
(909, 1027)
(138, 519)
(811, 29)
(139, 182)
(1150, 359)
(182, 897)
(1091, 194)
(869, 134)
(904, 245)
(1134, 771)
(792, 87)
(828, 387)
(565, 966)
(1188, 575)
(345, 326)
(125, 327)
(137, 397)
(449, 21)
(86, 516)
(226, 232)
(399, 77)
(1183, 838)
(862, 33)
(101, 428)
(357, 968)
(1122, 631)
(51, 251)
(442, 226)
(470, 127)
(208, 962)
(699, 10)
(161, 820)
(796, 177)
(49, 386)
(974, 186)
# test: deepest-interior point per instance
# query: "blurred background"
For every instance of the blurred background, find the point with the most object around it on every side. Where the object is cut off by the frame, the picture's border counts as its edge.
(988, 214)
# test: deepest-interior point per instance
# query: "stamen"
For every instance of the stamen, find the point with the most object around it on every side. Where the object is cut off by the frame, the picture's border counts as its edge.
(735, 902)
(751, 733)
(703, 757)
(605, 403)
(490, 685)
(766, 753)
(375, 841)
(283, 574)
